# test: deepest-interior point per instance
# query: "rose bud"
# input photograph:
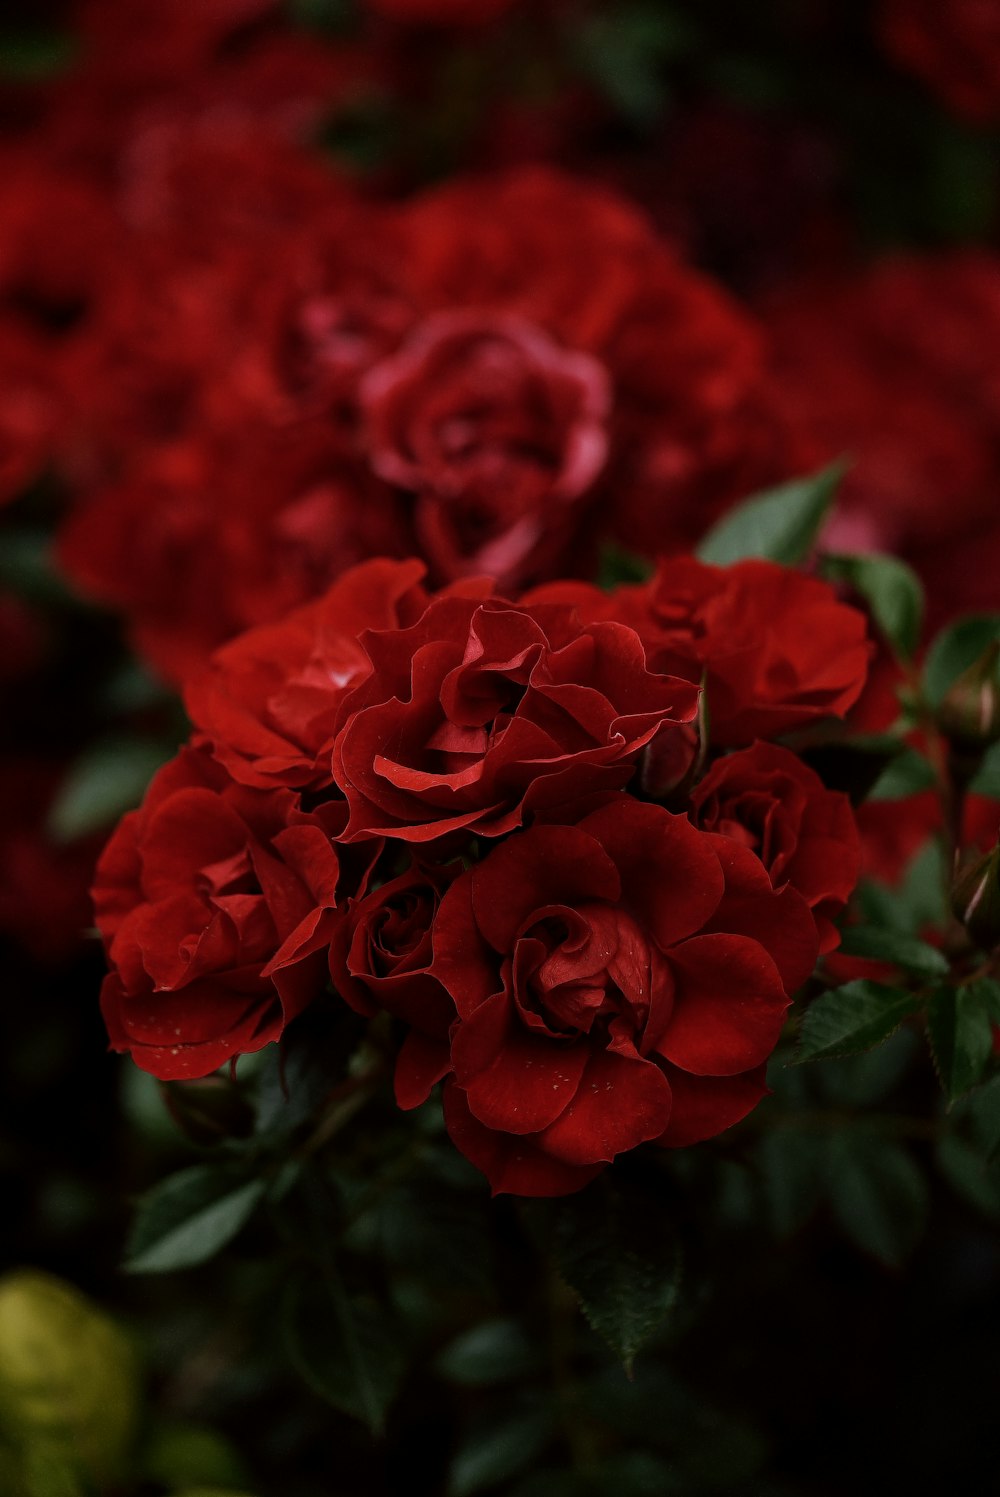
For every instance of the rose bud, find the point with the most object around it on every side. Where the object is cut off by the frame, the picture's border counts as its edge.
(975, 899)
(970, 713)
(67, 1376)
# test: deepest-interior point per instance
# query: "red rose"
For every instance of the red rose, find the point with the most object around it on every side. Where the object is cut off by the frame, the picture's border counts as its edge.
(693, 424)
(268, 702)
(498, 431)
(380, 958)
(804, 834)
(485, 714)
(195, 894)
(616, 982)
(776, 648)
(898, 366)
(208, 540)
(954, 47)
(493, 374)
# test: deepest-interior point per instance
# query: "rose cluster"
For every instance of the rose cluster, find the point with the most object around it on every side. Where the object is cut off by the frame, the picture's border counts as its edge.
(550, 834)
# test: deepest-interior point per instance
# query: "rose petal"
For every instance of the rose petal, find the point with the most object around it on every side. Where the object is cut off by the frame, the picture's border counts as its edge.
(513, 1166)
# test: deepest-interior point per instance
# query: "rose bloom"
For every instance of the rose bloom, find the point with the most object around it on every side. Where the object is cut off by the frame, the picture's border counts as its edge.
(486, 713)
(197, 548)
(953, 47)
(616, 982)
(267, 705)
(380, 959)
(898, 367)
(777, 650)
(804, 834)
(196, 894)
(476, 386)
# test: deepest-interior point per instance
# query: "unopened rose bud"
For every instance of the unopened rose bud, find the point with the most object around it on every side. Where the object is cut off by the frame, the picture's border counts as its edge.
(975, 900)
(68, 1379)
(970, 712)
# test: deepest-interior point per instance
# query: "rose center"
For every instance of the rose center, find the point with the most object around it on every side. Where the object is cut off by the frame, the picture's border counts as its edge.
(592, 968)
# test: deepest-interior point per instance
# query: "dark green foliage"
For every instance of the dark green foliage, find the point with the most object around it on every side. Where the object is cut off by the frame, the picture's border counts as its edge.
(892, 591)
(851, 1019)
(190, 1216)
(619, 1251)
(781, 525)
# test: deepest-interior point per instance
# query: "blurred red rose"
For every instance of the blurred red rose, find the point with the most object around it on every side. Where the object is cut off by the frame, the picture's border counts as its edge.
(898, 368)
(499, 433)
(493, 375)
(954, 47)
(195, 894)
(805, 835)
(616, 982)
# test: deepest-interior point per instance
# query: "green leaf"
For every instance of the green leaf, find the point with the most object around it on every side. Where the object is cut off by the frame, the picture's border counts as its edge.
(918, 901)
(105, 782)
(618, 1250)
(892, 946)
(296, 1077)
(908, 773)
(498, 1448)
(188, 1217)
(970, 1174)
(346, 1346)
(892, 591)
(850, 1019)
(955, 649)
(498, 1351)
(624, 55)
(862, 1081)
(878, 1194)
(961, 1036)
(781, 524)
